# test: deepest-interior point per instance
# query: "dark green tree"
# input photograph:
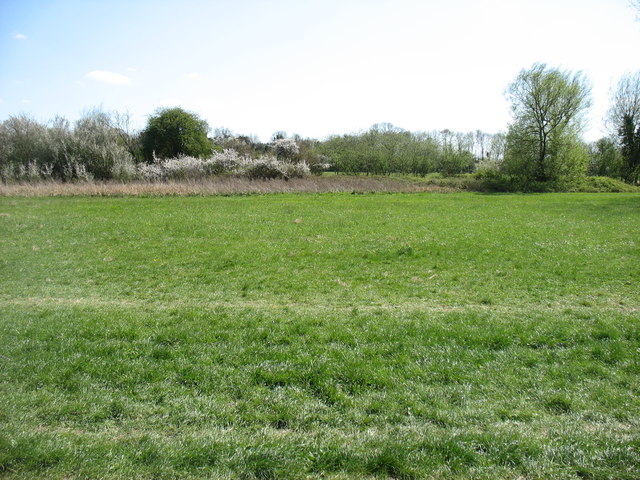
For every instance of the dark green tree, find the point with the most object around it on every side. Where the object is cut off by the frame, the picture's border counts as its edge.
(172, 132)
(624, 117)
(606, 159)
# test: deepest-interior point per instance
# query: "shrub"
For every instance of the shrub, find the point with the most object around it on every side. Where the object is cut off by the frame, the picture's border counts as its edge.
(31, 151)
(124, 170)
(600, 184)
(183, 168)
(606, 159)
(174, 132)
(225, 162)
(228, 162)
(150, 172)
(492, 179)
(319, 164)
(97, 145)
(295, 170)
(23, 142)
(267, 167)
(285, 148)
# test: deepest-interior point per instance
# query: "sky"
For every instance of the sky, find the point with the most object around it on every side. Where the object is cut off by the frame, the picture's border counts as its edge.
(314, 67)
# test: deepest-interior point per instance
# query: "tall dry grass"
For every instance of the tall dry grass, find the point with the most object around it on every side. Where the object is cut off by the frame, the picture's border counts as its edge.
(219, 186)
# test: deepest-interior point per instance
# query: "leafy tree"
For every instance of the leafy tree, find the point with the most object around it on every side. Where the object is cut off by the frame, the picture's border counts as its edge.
(606, 160)
(624, 116)
(172, 132)
(543, 140)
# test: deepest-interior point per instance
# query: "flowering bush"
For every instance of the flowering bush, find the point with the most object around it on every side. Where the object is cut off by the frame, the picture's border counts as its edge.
(183, 168)
(295, 170)
(285, 148)
(123, 169)
(270, 167)
(227, 162)
(150, 172)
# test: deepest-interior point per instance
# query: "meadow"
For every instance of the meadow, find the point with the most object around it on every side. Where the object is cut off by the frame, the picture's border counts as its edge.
(336, 336)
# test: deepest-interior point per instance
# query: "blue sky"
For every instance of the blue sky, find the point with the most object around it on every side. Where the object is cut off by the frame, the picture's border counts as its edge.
(309, 67)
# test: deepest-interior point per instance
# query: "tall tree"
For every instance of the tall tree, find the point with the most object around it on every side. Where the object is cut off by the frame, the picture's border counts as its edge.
(624, 117)
(547, 106)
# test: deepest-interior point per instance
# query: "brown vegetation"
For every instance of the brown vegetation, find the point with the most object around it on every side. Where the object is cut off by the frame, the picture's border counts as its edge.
(222, 186)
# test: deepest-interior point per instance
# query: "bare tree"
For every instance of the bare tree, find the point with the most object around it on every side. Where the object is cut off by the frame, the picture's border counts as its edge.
(122, 123)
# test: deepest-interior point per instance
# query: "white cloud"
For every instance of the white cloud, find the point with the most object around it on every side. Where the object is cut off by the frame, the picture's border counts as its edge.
(25, 100)
(108, 77)
(192, 76)
(20, 36)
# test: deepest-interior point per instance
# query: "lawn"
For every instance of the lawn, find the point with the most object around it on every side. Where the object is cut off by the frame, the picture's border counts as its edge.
(327, 336)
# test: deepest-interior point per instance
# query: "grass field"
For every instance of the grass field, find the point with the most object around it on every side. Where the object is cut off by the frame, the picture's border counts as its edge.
(320, 336)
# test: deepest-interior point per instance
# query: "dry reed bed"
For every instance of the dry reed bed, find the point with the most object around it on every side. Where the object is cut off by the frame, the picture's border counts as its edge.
(220, 186)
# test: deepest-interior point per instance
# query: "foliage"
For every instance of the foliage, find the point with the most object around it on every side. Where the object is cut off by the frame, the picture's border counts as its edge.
(172, 132)
(541, 151)
(22, 140)
(624, 116)
(227, 162)
(294, 150)
(606, 159)
(97, 145)
(547, 106)
(597, 184)
(270, 167)
(336, 336)
(246, 146)
(285, 148)
(385, 149)
(93, 148)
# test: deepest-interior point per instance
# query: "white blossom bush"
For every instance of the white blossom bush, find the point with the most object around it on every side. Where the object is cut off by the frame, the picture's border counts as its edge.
(124, 169)
(31, 172)
(150, 172)
(74, 170)
(295, 170)
(183, 168)
(261, 168)
(267, 167)
(96, 143)
(227, 162)
(285, 148)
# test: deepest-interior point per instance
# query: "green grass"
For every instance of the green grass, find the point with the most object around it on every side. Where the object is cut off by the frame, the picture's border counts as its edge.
(320, 336)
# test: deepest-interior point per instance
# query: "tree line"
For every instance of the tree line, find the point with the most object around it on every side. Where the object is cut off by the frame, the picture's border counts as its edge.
(542, 144)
